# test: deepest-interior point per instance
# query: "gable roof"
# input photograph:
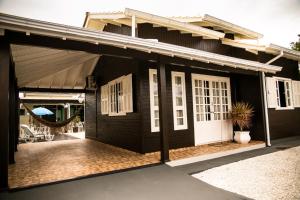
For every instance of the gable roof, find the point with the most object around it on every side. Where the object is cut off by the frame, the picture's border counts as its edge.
(14, 23)
(118, 18)
(269, 48)
(219, 24)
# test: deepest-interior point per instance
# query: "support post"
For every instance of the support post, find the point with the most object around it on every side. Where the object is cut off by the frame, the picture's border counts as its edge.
(12, 114)
(264, 104)
(4, 110)
(163, 112)
(133, 25)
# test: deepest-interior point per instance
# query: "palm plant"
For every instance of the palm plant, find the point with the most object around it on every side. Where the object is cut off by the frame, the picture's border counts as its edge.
(241, 115)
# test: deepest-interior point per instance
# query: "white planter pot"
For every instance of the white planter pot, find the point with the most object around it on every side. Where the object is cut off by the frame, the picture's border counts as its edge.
(242, 137)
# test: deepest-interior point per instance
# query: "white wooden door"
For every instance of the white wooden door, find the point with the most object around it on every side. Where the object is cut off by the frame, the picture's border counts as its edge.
(211, 104)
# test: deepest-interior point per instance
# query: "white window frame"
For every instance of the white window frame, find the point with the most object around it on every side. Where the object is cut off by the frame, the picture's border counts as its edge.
(183, 106)
(153, 107)
(286, 81)
(123, 102)
(115, 108)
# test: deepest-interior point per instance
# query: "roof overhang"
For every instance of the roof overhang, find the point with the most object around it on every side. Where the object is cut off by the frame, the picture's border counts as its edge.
(218, 24)
(98, 21)
(65, 32)
(42, 67)
(271, 48)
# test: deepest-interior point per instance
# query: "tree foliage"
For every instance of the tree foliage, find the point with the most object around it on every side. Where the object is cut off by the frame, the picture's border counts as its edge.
(296, 45)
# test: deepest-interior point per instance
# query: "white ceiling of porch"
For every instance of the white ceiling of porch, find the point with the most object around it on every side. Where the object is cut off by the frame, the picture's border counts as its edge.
(40, 67)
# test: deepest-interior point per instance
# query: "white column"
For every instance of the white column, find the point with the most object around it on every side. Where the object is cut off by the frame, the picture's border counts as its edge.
(266, 108)
(133, 26)
(69, 111)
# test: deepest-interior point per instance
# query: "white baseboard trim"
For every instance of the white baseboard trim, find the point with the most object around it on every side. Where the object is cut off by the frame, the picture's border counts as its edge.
(194, 159)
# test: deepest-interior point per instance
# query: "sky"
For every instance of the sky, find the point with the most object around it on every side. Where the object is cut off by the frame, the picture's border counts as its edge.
(277, 20)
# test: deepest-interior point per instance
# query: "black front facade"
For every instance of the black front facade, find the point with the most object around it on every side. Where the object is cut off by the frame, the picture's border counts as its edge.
(139, 120)
(133, 130)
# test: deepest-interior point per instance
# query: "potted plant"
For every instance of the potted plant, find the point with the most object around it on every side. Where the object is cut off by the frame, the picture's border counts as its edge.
(75, 124)
(241, 115)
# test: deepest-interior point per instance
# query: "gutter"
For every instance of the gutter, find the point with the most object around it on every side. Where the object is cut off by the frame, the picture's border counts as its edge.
(20, 24)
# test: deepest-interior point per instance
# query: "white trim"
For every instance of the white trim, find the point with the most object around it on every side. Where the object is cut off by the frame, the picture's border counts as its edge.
(232, 27)
(289, 82)
(81, 34)
(153, 108)
(104, 99)
(183, 107)
(200, 158)
(123, 103)
(168, 22)
(296, 93)
(206, 122)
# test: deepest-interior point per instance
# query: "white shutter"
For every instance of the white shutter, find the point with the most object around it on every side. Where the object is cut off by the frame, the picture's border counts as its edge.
(271, 92)
(296, 93)
(127, 87)
(104, 99)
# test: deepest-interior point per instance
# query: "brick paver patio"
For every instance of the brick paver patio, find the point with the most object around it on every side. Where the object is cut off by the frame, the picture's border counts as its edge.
(45, 162)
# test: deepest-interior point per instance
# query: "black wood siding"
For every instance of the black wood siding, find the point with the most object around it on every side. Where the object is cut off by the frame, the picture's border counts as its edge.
(243, 88)
(246, 88)
(122, 131)
(283, 123)
(123, 30)
(90, 115)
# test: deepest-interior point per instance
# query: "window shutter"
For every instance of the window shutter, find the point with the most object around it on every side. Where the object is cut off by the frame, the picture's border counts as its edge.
(271, 92)
(296, 93)
(127, 85)
(104, 99)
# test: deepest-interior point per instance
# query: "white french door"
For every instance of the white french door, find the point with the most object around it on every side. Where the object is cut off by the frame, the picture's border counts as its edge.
(211, 104)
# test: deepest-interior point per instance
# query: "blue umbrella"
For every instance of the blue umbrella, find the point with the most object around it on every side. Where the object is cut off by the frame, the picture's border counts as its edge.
(42, 111)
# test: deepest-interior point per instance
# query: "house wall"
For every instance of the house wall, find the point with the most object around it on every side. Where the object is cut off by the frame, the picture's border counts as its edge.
(184, 138)
(279, 120)
(122, 131)
(147, 31)
(283, 123)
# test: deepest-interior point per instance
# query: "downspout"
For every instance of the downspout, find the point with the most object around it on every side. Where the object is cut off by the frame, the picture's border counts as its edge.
(275, 58)
(265, 99)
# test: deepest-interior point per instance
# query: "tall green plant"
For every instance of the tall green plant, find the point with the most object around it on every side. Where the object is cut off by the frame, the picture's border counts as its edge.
(241, 115)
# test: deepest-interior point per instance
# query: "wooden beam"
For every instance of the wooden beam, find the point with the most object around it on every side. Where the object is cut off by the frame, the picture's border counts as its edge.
(163, 112)
(106, 50)
(12, 116)
(4, 110)
(52, 90)
(49, 101)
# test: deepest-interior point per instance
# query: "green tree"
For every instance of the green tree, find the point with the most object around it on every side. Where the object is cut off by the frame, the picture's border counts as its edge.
(296, 45)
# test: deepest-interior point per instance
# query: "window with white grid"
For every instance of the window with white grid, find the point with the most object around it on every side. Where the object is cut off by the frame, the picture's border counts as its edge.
(116, 96)
(179, 100)
(154, 107)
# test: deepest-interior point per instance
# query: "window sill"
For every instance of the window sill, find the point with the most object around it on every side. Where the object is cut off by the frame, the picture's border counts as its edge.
(116, 114)
(180, 128)
(287, 108)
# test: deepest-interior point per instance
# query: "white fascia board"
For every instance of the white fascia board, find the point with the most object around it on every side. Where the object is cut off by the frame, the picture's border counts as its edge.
(110, 16)
(167, 22)
(80, 34)
(287, 52)
(233, 27)
(243, 45)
